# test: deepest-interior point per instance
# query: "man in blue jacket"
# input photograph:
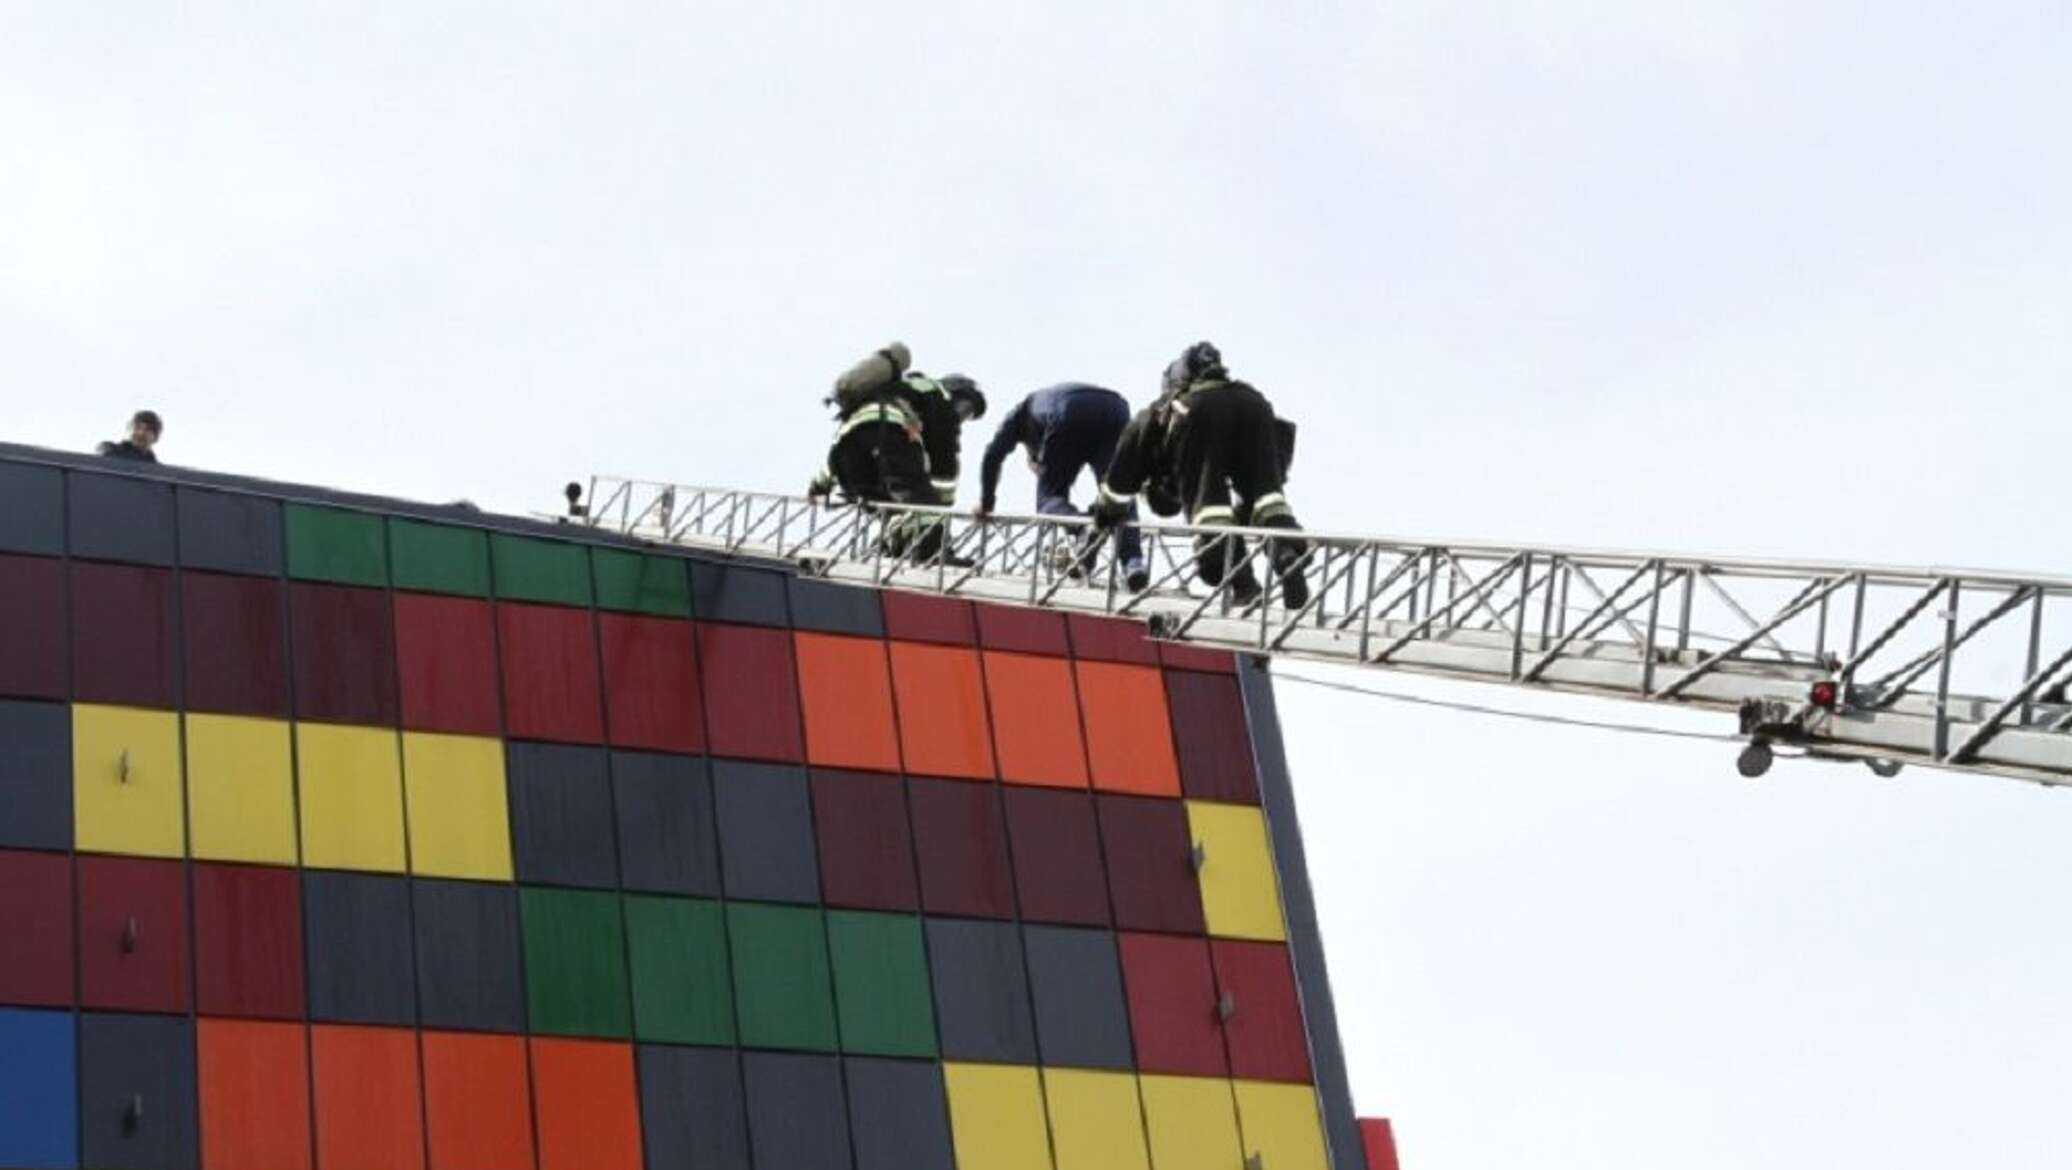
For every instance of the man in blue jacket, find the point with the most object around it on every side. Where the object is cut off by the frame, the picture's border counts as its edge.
(1065, 429)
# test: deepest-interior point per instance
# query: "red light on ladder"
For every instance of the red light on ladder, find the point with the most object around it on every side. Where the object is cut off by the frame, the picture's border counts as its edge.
(1825, 694)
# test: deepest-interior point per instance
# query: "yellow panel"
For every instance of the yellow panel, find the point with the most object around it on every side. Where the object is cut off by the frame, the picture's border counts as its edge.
(126, 781)
(240, 789)
(1281, 1126)
(1095, 1121)
(1192, 1123)
(996, 1115)
(459, 826)
(1238, 891)
(352, 797)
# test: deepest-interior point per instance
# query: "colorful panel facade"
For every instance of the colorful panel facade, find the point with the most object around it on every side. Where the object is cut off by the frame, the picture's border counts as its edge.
(342, 833)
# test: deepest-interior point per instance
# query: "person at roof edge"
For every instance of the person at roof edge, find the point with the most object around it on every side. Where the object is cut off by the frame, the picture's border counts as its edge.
(1212, 445)
(898, 434)
(144, 429)
(1063, 429)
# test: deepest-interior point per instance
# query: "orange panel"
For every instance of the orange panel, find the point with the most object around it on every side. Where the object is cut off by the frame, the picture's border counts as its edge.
(476, 1095)
(942, 711)
(368, 1113)
(586, 1105)
(1036, 720)
(847, 696)
(1128, 734)
(254, 1095)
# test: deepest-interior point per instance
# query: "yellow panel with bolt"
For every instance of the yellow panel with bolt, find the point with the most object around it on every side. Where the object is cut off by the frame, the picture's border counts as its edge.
(1192, 1123)
(460, 825)
(1281, 1125)
(126, 785)
(1239, 894)
(996, 1117)
(350, 780)
(241, 789)
(1095, 1120)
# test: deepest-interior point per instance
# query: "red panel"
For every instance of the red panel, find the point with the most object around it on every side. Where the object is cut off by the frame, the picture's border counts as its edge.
(961, 840)
(845, 691)
(1129, 736)
(1212, 737)
(1036, 719)
(918, 617)
(248, 941)
(1380, 1139)
(235, 643)
(1172, 998)
(651, 683)
(1057, 856)
(942, 711)
(122, 634)
(586, 1105)
(344, 653)
(866, 846)
(1031, 631)
(476, 1094)
(132, 934)
(32, 627)
(1196, 658)
(36, 905)
(1265, 1028)
(1151, 880)
(446, 663)
(254, 1095)
(1112, 640)
(550, 673)
(751, 692)
(368, 1113)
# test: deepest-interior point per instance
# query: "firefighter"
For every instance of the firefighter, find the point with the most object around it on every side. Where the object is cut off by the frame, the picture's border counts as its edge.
(1063, 429)
(1212, 445)
(890, 422)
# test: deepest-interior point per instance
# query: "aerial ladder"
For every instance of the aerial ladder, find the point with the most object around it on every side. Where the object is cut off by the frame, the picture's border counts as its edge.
(1946, 668)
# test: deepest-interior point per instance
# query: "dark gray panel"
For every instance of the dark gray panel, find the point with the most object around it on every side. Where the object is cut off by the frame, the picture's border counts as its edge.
(981, 991)
(896, 1115)
(667, 843)
(359, 967)
(840, 609)
(35, 775)
(766, 821)
(692, 1115)
(1076, 979)
(118, 519)
(561, 814)
(231, 533)
(796, 1119)
(32, 509)
(1305, 940)
(467, 955)
(734, 593)
(136, 1092)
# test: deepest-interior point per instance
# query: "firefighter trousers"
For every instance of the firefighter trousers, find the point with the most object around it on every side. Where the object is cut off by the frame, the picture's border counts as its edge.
(1227, 461)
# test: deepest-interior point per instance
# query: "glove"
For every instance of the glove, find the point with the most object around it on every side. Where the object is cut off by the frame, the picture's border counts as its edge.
(818, 488)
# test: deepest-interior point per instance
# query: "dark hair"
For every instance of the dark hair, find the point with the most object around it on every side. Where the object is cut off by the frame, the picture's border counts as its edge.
(150, 419)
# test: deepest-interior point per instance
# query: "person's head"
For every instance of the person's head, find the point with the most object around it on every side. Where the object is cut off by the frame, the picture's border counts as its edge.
(965, 397)
(144, 428)
(1199, 362)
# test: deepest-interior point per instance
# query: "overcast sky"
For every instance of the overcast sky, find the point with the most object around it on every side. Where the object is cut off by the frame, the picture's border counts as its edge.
(1761, 278)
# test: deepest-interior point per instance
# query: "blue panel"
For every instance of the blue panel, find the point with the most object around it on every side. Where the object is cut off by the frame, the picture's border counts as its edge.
(119, 519)
(229, 533)
(33, 520)
(836, 609)
(735, 593)
(35, 776)
(39, 1122)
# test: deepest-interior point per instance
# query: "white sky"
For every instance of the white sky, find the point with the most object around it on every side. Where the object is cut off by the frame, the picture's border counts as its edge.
(1763, 278)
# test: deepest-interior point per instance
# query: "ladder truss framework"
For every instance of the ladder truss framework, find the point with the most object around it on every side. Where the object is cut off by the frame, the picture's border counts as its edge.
(1940, 667)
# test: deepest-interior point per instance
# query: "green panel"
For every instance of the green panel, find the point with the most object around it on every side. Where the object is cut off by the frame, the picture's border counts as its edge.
(540, 570)
(881, 984)
(680, 989)
(439, 558)
(780, 977)
(575, 962)
(642, 582)
(330, 544)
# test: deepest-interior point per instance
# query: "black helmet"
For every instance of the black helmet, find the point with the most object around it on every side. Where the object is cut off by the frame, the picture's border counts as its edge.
(962, 387)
